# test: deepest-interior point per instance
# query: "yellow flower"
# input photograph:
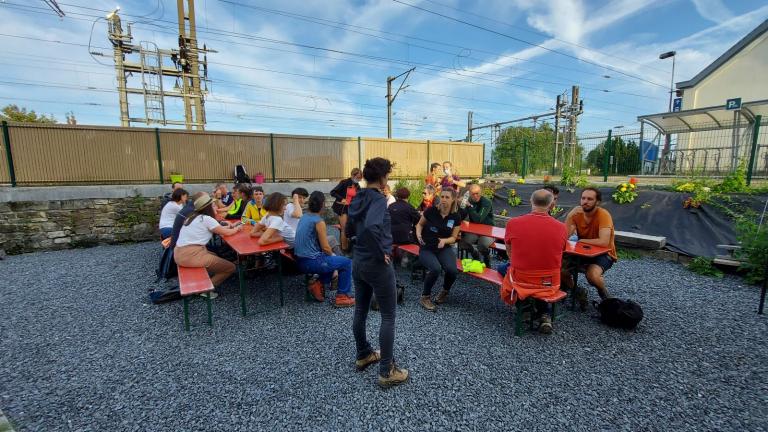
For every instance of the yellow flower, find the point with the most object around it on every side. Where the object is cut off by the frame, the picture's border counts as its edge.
(623, 189)
(632, 185)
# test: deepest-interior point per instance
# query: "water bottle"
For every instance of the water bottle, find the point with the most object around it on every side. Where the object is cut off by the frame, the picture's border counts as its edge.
(465, 200)
(573, 239)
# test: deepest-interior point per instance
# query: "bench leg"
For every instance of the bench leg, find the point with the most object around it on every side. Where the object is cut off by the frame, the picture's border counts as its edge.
(241, 278)
(210, 309)
(575, 289)
(518, 319)
(186, 313)
(554, 312)
(280, 279)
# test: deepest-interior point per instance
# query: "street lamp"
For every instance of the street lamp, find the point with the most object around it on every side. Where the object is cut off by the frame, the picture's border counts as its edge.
(664, 56)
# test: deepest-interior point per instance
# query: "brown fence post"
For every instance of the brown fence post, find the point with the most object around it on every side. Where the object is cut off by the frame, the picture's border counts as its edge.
(359, 154)
(272, 154)
(159, 155)
(9, 154)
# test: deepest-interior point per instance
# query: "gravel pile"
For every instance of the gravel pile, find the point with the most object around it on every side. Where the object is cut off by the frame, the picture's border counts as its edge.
(83, 350)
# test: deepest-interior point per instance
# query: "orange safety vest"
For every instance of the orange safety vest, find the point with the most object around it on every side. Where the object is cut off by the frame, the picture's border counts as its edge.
(521, 284)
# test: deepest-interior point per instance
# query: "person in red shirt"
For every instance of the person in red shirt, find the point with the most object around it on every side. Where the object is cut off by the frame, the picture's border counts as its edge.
(535, 243)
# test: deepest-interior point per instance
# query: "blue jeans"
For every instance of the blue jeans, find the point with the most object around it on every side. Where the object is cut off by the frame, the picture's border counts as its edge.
(324, 265)
(165, 232)
(502, 268)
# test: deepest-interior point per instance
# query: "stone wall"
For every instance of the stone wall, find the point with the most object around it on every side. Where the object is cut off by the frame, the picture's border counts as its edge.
(29, 226)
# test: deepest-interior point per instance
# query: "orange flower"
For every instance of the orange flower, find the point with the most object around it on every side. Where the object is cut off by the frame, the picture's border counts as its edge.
(632, 180)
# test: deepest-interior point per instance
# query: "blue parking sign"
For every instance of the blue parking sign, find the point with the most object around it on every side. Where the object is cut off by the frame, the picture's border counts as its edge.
(733, 104)
(677, 105)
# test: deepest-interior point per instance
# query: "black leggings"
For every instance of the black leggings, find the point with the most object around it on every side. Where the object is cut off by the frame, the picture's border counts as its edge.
(435, 261)
(376, 279)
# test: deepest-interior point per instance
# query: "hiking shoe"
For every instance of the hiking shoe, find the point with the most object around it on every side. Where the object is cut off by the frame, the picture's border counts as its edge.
(441, 297)
(315, 291)
(545, 324)
(394, 377)
(426, 302)
(343, 300)
(582, 298)
(363, 363)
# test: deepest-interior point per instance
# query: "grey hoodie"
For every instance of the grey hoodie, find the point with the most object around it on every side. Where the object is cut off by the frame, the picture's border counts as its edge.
(369, 220)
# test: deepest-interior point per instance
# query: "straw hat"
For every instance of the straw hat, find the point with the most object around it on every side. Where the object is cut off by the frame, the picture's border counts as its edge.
(202, 202)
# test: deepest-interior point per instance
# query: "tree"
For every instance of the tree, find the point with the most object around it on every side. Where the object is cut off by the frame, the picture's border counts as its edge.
(15, 114)
(508, 151)
(626, 157)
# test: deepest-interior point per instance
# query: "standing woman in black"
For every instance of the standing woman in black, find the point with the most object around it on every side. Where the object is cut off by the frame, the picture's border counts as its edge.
(373, 273)
(343, 193)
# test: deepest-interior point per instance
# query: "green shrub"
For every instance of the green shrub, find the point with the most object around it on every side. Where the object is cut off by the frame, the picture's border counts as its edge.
(754, 248)
(512, 199)
(567, 178)
(735, 181)
(704, 266)
(628, 254)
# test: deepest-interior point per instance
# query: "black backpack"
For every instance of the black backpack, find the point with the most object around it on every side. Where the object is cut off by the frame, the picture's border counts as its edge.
(619, 313)
(241, 176)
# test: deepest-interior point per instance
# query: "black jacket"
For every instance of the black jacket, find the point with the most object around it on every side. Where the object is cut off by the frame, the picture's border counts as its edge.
(370, 222)
(181, 216)
(340, 191)
(404, 217)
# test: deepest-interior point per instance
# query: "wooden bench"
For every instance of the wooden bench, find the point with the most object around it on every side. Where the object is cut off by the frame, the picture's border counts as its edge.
(192, 281)
(528, 305)
(488, 274)
(418, 272)
(729, 258)
(639, 241)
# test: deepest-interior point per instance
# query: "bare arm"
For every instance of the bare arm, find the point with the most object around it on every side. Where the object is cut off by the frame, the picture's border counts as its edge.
(270, 236)
(224, 231)
(449, 240)
(603, 240)
(322, 237)
(419, 228)
(296, 207)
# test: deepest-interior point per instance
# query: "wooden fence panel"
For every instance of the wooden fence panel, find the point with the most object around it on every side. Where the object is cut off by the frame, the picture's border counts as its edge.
(409, 156)
(467, 158)
(212, 156)
(73, 154)
(308, 157)
(5, 173)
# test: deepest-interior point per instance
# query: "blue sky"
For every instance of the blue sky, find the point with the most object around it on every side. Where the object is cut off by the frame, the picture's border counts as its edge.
(319, 67)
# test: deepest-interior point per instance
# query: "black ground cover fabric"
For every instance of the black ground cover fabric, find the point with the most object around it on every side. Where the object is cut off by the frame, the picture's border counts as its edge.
(694, 232)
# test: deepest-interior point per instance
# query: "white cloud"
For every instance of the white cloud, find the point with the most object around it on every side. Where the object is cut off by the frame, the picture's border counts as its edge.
(712, 10)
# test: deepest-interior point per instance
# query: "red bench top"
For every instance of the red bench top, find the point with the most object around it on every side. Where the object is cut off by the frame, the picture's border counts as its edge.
(488, 275)
(410, 248)
(499, 246)
(555, 297)
(194, 280)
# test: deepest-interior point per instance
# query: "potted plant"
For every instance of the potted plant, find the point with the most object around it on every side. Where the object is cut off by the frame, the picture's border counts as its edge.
(176, 177)
(258, 178)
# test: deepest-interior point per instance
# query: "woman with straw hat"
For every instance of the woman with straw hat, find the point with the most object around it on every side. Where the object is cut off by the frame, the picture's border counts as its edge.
(196, 232)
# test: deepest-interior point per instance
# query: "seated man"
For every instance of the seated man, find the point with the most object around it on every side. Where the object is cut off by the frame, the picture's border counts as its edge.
(236, 209)
(535, 243)
(594, 226)
(478, 209)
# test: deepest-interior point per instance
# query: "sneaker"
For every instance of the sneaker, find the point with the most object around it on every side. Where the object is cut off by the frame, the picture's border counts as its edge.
(343, 300)
(441, 297)
(426, 302)
(545, 324)
(368, 360)
(315, 291)
(394, 377)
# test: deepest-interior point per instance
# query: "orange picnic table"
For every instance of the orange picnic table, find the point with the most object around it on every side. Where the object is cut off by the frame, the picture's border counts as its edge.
(483, 230)
(244, 245)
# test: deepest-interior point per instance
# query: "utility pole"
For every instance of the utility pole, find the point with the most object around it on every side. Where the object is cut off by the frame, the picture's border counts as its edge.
(391, 97)
(152, 69)
(469, 127)
(558, 107)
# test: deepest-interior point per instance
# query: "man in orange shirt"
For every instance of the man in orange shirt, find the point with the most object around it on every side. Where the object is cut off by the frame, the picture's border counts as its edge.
(594, 225)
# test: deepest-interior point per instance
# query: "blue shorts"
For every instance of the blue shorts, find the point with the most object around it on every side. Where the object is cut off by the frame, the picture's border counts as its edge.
(604, 261)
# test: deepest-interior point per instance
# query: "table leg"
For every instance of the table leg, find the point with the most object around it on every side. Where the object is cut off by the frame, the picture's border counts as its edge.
(241, 277)
(280, 278)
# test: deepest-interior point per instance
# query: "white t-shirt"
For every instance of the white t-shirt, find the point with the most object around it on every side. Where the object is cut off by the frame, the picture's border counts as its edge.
(290, 220)
(168, 215)
(391, 200)
(278, 224)
(199, 232)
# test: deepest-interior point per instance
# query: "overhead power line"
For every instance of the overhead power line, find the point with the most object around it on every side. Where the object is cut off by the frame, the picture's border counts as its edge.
(479, 27)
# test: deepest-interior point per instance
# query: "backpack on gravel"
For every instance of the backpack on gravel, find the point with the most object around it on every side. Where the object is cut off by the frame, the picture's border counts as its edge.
(619, 313)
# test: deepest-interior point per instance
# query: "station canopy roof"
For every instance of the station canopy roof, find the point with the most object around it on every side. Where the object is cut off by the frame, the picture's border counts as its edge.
(704, 119)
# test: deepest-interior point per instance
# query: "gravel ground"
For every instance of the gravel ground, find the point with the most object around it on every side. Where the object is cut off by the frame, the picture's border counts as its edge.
(83, 350)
